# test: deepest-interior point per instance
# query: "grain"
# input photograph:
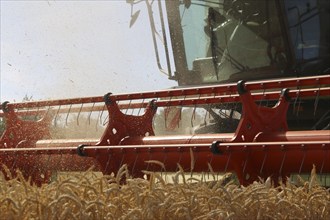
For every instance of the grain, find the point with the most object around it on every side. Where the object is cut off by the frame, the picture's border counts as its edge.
(77, 196)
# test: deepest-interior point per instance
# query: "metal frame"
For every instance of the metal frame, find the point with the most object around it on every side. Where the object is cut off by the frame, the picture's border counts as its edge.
(261, 145)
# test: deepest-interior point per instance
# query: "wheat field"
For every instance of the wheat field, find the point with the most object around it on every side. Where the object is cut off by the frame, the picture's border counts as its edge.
(85, 196)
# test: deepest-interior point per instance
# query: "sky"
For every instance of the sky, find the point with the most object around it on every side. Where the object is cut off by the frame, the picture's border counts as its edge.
(66, 49)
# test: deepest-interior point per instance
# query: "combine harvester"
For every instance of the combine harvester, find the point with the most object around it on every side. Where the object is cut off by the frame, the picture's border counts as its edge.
(253, 98)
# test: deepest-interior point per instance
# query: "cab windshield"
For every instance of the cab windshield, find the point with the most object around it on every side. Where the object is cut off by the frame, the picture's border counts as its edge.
(223, 38)
(309, 29)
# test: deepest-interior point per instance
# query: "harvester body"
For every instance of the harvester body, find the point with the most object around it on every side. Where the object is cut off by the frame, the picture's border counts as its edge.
(252, 99)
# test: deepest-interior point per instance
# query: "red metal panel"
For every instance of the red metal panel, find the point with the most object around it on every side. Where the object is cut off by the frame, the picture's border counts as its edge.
(261, 145)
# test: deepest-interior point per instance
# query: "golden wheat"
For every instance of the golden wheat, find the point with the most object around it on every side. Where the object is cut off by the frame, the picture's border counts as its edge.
(77, 196)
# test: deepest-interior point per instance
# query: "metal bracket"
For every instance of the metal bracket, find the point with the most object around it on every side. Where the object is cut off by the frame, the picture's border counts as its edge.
(121, 125)
(256, 119)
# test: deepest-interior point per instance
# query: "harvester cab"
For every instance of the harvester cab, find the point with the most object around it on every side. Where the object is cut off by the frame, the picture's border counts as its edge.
(252, 99)
(227, 41)
(217, 42)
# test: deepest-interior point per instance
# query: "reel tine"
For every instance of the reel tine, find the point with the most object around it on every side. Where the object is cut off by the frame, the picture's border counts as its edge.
(67, 115)
(56, 115)
(282, 163)
(210, 169)
(82, 104)
(246, 161)
(193, 116)
(97, 157)
(207, 112)
(149, 158)
(90, 114)
(299, 103)
(295, 103)
(97, 121)
(165, 158)
(101, 113)
(136, 158)
(192, 160)
(180, 117)
(263, 161)
(302, 162)
(326, 155)
(317, 100)
(122, 159)
(227, 163)
(179, 158)
(108, 161)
